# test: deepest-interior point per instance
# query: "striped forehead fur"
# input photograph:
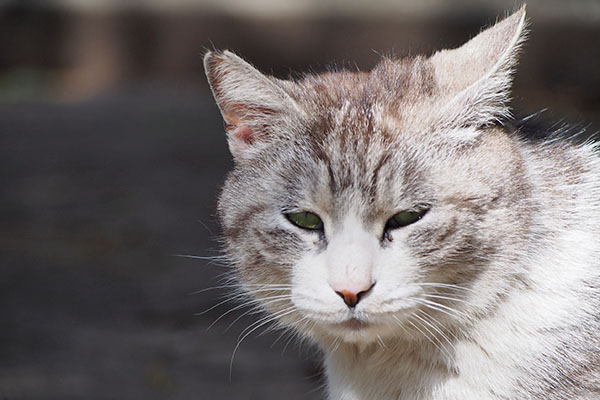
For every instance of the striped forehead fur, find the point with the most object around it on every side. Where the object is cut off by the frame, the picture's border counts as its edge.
(410, 80)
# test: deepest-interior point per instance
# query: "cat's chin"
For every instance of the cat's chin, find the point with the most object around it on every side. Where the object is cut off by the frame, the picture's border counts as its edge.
(356, 331)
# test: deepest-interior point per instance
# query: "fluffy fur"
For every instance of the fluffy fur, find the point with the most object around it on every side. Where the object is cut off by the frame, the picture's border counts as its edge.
(493, 294)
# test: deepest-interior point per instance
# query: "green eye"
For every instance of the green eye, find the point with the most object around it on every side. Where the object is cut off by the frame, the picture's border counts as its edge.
(305, 220)
(405, 218)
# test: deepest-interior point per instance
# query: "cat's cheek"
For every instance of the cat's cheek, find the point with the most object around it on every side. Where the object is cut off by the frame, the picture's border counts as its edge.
(399, 274)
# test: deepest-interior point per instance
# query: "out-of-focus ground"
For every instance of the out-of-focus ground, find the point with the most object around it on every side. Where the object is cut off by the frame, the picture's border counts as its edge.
(112, 153)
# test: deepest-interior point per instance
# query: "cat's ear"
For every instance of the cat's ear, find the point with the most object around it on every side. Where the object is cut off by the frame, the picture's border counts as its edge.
(253, 105)
(475, 79)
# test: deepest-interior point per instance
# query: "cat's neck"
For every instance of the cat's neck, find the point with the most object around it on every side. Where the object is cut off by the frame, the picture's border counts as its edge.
(396, 368)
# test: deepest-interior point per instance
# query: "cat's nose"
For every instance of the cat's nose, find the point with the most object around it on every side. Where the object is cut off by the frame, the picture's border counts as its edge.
(352, 297)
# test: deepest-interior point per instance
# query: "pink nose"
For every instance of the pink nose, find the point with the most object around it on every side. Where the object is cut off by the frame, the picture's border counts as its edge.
(352, 297)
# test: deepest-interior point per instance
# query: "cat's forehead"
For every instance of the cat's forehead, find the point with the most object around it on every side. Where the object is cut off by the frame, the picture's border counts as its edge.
(392, 87)
(359, 136)
(366, 120)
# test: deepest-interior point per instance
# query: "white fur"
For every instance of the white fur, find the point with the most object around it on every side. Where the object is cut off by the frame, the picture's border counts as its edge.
(486, 364)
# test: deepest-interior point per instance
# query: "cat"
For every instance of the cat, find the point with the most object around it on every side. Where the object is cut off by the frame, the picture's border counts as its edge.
(400, 220)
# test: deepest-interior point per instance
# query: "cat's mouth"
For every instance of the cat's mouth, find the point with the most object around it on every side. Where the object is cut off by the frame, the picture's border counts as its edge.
(355, 330)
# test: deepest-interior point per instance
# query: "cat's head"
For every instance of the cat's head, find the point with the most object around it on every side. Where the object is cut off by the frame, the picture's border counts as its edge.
(363, 205)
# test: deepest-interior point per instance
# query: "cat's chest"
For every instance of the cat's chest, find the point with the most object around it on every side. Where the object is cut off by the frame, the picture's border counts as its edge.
(474, 376)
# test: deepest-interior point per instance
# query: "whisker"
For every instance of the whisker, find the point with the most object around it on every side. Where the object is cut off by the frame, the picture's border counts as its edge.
(295, 333)
(336, 344)
(287, 342)
(319, 388)
(445, 286)
(447, 330)
(404, 329)
(213, 288)
(238, 287)
(227, 300)
(444, 309)
(272, 316)
(239, 306)
(435, 296)
(269, 284)
(249, 303)
(258, 324)
(255, 310)
(244, 314)
(205, 226)
(426, 336)
(424, 324)
(206, 258)
(220, 260)
(281, 335)
(435, 328)
(269, 289)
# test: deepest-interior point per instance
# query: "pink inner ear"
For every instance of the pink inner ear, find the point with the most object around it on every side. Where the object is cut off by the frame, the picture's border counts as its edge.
(244, 134)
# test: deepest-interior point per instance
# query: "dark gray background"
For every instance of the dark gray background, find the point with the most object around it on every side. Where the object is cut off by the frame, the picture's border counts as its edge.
(111, 156)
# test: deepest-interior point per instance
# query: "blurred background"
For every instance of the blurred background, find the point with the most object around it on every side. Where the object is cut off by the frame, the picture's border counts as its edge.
(112, 153)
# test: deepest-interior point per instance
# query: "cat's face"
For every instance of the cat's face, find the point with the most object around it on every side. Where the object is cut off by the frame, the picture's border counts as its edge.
(364, 206)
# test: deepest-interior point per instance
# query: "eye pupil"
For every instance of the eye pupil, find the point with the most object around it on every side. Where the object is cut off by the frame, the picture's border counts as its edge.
(305, 220)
